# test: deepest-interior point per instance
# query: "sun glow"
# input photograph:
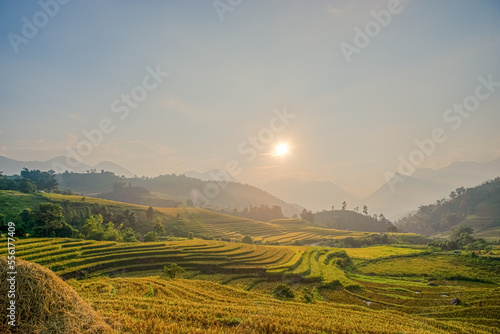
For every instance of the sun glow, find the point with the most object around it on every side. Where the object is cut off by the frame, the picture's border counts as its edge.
(281, 150)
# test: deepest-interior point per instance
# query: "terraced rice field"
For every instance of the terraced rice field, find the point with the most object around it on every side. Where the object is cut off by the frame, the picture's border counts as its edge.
(69, 258)
(230, 287)
(154, 305)
(200, 221)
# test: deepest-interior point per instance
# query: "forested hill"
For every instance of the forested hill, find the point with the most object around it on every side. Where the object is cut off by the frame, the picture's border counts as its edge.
(221, 195)
(477, 207)
(353, 221)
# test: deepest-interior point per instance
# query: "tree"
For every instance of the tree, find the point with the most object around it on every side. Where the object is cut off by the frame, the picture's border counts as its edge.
(7, 184)
(151, 236)
(173, 270)
(307, 215)
(453, 195)
(190, 235)
(110, 233)
(27, 219)
(160, 229)
(356, 209)
(150, 213)
(48, 221)
(457, 233)
(93, 228)
(247, 239)
(26, 186)
(392, 229)
(365, 210)
(460, 191)
(344, 205)
(43, 180)
(129, 235)
(48, 218)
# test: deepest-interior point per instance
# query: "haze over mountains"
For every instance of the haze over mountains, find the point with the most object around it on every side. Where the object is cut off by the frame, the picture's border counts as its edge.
(314, 195)
(425, 186)
(11, 166)
(401, 195)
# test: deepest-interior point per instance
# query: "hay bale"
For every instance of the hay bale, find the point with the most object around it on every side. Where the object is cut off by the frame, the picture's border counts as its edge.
(46, 304)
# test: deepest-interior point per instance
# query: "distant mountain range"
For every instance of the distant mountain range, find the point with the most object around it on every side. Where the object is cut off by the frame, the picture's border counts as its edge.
(427, 185)
(405, 196)
(211, 175)
(10, 166)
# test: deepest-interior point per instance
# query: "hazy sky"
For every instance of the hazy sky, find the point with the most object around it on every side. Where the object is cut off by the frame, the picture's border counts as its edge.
(352, 119)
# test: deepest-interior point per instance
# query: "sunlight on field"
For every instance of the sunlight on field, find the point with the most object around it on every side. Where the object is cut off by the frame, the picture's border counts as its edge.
(380, 251)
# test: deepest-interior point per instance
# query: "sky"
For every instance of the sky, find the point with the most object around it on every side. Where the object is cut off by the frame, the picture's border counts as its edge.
(166, 87)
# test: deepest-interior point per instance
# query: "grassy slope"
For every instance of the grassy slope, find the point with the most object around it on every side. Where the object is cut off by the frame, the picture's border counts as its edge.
(12, 202)
(196, 220)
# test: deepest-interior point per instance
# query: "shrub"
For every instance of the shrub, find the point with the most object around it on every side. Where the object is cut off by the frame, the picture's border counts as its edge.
(283, 291)
(151, 236)
(308, 296)
(190, 235)
(173, 270)
(247, 239)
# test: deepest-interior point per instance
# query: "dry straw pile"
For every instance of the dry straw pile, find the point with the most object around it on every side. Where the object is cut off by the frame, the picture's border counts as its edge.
(46, 304)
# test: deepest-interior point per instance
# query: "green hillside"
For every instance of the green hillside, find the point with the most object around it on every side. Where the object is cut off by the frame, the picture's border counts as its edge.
(176, 188)
(477, 207)
(177, 221)
(352, 221)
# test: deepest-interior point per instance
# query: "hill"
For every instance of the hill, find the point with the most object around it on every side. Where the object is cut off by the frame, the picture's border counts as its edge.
(351, 221)
(177, 221)
(478, 207)
(211, 175)
(59, 164)
(137, 195)
(209, 194)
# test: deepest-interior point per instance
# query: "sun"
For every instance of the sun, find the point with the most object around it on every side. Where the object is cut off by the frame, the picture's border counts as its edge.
(281, 150)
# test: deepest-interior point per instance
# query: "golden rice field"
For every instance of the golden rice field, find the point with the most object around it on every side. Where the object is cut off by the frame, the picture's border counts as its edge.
(155, 305)
(227, 287)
